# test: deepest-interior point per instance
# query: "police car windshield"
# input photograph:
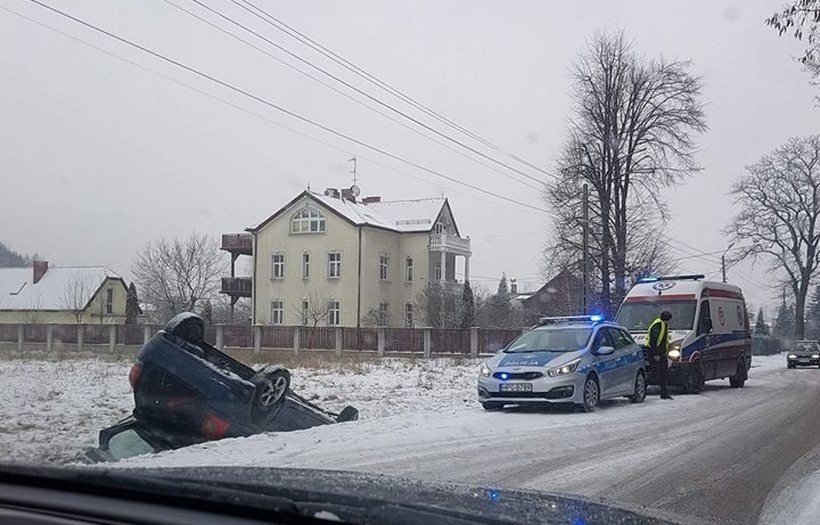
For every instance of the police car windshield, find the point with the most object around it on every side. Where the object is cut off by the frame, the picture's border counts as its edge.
(563, 339)
(638, 316)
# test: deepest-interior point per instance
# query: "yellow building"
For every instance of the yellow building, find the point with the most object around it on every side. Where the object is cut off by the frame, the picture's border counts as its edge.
(61, 295)
(332, 259)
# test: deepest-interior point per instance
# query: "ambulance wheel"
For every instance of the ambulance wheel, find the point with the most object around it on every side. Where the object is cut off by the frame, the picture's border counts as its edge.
(492, 406)
(739, 379)
(592, 394)
(693, 383)
(640, 388)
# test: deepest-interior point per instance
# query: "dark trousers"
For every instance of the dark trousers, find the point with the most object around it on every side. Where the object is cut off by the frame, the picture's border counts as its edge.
(661, 366)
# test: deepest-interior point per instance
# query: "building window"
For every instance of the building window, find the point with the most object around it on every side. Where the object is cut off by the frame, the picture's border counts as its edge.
(408, 315)
(334, 265)
(305, 312)
(408, 270)
(277, 312)
(384, 262)
(109, 301)
(308, 220)
(440, 228)
(334, 313)
(437, 272)
(384, 314)
(306, 266)
(278, 266)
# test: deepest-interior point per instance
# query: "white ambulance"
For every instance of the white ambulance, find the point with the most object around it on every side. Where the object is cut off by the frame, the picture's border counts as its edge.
(709, 331)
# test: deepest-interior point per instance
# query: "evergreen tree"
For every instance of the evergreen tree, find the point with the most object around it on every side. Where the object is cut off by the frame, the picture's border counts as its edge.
(785, 321)
(503, 290)
(760, 325)
(132, 305)
(467, 307)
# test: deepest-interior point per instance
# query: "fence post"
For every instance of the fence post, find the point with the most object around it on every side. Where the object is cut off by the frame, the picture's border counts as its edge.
(21, 335)
(220, 337)
(257, 339)
(80, 337)
(474, 341)
(380, 344)
(49, 337)
(296, 334)
(112, 337)
(146, 333)
(338, 342)
(427, 342)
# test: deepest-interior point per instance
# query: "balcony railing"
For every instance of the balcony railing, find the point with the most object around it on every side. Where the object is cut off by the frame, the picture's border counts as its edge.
(241, 243)
(443, 241)
(237, 286)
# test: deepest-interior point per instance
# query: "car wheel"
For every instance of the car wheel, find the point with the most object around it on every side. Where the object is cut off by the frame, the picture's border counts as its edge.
(492, 406)
(271, 388)
(592, 394)
(694, 382)
(739, 379)
(188, 327)
(640, 388)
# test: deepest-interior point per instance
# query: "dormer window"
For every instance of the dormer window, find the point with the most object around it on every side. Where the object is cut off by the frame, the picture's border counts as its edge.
(440, 228)
(308, 220)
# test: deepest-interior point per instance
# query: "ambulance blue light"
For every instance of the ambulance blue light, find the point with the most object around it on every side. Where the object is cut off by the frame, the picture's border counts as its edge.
(649, 280)
(596, 318)
(504, 376)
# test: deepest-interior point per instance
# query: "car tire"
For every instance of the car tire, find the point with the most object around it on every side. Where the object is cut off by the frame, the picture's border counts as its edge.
(188, 327)
(492, 406)
(348, 413)
(591, 394)
(272, 385)
(739, 379)
(694, 382)
(640, 388)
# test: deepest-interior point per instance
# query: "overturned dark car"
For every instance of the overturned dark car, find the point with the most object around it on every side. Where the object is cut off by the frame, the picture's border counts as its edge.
(187, 392)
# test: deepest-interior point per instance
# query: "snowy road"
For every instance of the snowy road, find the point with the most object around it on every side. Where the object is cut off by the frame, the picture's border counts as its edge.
(721, 456)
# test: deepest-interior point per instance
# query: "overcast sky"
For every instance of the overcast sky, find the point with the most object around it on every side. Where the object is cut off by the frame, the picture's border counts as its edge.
(97, 156)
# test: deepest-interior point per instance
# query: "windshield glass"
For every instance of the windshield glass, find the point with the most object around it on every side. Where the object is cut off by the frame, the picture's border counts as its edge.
(637, 317)
(568, 339)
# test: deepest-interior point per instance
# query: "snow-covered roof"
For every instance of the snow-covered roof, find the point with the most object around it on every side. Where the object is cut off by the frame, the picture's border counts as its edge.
(417, 215)
(58, 289)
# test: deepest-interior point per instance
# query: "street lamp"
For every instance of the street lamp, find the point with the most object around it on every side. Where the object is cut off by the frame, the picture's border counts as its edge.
(723, 261)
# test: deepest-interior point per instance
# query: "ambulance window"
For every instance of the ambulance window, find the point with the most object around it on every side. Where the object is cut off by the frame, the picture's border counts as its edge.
(705, 318)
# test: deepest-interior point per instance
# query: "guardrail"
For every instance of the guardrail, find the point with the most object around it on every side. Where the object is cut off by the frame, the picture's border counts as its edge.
(424, 342)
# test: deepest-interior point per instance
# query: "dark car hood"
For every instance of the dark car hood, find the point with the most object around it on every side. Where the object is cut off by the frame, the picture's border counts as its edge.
(373, 498)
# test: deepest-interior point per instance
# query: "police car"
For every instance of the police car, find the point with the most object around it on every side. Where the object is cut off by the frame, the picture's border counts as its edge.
(579, 360)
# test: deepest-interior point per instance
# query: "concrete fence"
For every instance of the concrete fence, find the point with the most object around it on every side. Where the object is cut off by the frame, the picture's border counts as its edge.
(424, 342)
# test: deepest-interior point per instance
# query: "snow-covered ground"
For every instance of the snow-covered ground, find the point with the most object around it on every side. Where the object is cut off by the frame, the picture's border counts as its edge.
(52, 410)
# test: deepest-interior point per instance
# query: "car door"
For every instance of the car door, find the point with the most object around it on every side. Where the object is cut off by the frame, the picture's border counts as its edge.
(629, 360)
(605, 365)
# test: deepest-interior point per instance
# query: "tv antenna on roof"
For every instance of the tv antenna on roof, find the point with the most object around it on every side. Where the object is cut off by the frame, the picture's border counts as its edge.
(353, 171)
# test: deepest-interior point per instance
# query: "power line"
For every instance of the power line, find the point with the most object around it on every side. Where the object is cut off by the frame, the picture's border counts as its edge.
(365, 94)
(304, 39)
(283, 110)
(339, 91)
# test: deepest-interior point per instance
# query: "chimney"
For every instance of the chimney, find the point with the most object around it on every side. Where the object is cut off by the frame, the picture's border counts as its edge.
(371, 200)
(347, 194)
(513, 286)
(332, 192)
(40, 269)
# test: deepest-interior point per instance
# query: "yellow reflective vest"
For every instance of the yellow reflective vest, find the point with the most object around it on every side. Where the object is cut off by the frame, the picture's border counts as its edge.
(661, 341)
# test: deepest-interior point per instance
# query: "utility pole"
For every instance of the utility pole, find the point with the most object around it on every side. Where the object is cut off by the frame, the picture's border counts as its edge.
(723, 266)
(586, 246)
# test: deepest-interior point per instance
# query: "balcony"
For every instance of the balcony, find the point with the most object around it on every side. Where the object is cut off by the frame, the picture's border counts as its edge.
(238, 243)
(237, 286)
(449, 243)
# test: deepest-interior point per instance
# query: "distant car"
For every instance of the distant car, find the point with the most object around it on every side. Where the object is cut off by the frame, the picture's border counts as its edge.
(579, 360)
(186, 391)
(804, 353)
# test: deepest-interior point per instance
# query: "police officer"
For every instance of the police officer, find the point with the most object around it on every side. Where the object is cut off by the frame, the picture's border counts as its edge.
(657, 339)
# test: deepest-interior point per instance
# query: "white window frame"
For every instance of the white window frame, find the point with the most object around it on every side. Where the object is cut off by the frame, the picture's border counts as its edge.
(306, 266)
(307, 220)
(334, 268)
(384, 313)
(437, 272)
(408, 315)
(109, 301)
(277, 312)
(440, 227)
(334, 313)
(408, 270)
(384, 267)
(277, 269)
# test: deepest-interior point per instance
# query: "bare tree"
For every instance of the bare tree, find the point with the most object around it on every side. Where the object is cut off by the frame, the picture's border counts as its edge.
(631, 135)
(318, 309)
(76, 296)
(176, 275)
(779, 200)
(802, 19)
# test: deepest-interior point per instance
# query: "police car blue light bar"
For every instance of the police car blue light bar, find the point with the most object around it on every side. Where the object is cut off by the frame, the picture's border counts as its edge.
(571, 319)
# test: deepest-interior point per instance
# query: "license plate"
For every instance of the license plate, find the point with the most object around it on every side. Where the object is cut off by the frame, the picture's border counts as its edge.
(516, 387)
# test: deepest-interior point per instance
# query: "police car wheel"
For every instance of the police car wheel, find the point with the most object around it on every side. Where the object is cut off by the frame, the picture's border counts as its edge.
(640, 389)
(492, 406)
(592, 394)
